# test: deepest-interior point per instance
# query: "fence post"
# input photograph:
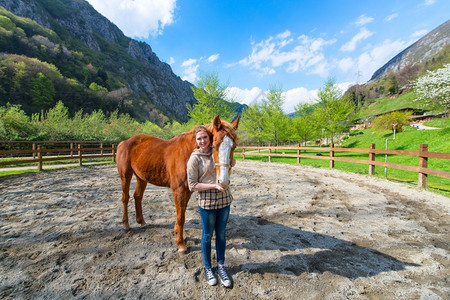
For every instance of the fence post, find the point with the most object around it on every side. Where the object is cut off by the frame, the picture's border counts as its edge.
(270, 151)
(298, 153)
(371, 158)
(34, 148)
(113, 152)
(71, 147)
(80, 159)
(423, 163)
(243, 153)
(39, 154)
(101, 149)
(331, 156)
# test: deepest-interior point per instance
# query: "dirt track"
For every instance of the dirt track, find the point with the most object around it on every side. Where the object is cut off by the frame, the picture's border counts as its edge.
(294, 233)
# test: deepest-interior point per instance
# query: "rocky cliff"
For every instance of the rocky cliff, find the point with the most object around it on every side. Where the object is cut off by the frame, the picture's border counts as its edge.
(152, 83)
(420, 51)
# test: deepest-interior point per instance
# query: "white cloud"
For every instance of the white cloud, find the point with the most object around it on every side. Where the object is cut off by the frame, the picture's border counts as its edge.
(391, 17)
(346, 64)
(190, 67)
(419, 33)
(296, 96)
(213, 58)
(370, 61)
(138, 18)
(284, 35)
(245, 96)
(361, 35)
(429, 2)
(363, 20)
(322, 69)
(288, 53)
(255, 94)
(344, 86)
(171, 61)
(292, 97)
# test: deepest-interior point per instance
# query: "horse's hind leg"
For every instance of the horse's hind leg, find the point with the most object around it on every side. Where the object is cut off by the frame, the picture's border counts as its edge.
(181, 197)
(126, 180)
(138, 195)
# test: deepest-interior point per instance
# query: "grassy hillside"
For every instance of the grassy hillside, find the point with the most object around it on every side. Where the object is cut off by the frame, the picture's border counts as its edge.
(386, 104)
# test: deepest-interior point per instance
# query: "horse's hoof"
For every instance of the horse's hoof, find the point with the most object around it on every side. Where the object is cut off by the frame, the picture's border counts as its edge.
(182, 251)
(126, 227)
(143, 224)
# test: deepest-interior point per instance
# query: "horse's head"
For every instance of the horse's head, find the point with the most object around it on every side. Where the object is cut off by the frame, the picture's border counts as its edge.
(224, 143)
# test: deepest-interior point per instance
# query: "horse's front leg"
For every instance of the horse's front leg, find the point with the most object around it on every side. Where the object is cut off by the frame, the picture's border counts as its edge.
(181, 197)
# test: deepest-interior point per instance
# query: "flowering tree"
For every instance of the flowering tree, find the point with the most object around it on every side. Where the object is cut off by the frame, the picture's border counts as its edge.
(433, 89)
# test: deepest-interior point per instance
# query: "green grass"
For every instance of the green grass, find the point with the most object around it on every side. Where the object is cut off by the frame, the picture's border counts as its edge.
(439, 123)
(382, 105)
(53, 165)
(438, 141)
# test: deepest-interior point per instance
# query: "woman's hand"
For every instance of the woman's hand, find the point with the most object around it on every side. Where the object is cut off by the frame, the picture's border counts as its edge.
(219, 187)
(233, 162)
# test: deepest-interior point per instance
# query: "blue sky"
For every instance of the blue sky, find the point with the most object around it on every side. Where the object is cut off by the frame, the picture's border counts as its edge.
(292, 45)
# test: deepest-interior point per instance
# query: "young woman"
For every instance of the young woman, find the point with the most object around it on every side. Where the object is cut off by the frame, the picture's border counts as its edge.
(213, 204)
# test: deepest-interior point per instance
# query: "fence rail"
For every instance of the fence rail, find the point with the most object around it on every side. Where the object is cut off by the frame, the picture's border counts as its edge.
(39, 154)
(423, 154)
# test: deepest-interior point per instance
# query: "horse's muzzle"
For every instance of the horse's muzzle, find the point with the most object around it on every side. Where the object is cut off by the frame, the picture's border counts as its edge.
(224, 183)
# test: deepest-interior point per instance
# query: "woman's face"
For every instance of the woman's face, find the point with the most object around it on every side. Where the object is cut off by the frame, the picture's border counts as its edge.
(202, 140)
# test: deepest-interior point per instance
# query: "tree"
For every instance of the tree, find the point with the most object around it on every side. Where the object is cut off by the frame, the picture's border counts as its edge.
(433, 89)
(121, 127)
(15, 124)
(252, 124)
(304, 127)
(276, 122)
(334, 109)
(56, 124)
(211, 99)
(42, 91)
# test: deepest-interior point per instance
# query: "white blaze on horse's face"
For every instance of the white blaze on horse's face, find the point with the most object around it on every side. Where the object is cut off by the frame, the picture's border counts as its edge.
(224, 161)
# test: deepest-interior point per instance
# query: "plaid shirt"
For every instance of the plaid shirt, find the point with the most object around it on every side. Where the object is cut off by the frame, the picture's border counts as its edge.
(201, 169)
(214, 199)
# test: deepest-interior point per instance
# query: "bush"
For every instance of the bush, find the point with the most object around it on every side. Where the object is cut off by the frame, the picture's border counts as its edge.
(15, 124)
(385, 122)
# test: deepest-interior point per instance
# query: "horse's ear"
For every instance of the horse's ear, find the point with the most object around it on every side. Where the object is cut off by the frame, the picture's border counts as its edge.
(236, 122)
(217, 123)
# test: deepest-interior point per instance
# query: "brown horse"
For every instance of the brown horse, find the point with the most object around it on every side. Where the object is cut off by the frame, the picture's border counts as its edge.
(163, 163)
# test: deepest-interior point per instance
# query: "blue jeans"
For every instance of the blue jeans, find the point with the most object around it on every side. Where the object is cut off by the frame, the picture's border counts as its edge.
(214, 219)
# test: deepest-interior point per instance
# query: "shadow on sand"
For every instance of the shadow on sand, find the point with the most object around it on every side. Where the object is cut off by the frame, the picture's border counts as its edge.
(323, 253)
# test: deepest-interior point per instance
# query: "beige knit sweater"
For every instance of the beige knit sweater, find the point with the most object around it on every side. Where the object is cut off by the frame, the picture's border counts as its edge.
(200, 168)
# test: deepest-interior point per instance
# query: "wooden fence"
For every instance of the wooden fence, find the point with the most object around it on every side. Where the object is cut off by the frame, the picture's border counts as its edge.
(41, 152)
(422, 169)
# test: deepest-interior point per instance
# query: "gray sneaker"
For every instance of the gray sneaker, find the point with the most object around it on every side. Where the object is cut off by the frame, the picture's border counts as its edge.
(210, 278)
(223, 275)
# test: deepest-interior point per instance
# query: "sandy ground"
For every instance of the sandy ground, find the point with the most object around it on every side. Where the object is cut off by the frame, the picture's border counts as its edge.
(295, 232)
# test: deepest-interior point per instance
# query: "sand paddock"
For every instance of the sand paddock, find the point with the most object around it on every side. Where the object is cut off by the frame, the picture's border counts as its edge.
(295, 232)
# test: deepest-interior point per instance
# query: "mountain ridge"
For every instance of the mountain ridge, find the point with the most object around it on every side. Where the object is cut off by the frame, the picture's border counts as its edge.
(152, 83)
(418, 52)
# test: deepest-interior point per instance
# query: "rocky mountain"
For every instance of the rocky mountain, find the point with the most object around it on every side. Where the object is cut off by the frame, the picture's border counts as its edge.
(422, 50)
(86, 37)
